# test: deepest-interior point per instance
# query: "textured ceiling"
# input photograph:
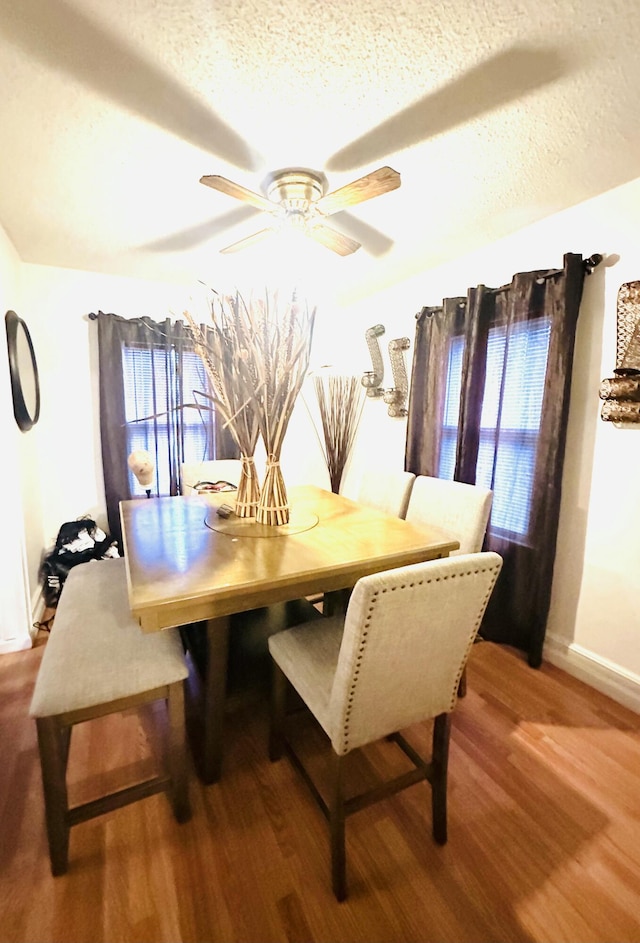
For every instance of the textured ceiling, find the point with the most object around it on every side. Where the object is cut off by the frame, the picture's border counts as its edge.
(495, 114)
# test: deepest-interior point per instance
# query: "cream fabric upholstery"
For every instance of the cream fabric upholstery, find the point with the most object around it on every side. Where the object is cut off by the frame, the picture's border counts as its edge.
(222, 469)
(459, 510)
(97, 652)
(386, 490)
(397, 656)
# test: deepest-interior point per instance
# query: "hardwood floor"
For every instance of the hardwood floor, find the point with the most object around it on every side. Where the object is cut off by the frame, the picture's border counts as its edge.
(544, 830)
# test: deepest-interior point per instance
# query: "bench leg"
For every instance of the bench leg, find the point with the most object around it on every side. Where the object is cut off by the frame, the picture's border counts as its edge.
(176, 753)
(53, 745)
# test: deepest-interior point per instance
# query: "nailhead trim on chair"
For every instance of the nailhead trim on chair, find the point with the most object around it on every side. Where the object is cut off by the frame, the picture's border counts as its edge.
(365, 632)
(356, 672)
(454, 696)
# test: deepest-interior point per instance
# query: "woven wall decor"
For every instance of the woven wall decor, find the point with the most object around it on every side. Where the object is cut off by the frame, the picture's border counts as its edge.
(396, 396)
(372, 379)
(621, 392)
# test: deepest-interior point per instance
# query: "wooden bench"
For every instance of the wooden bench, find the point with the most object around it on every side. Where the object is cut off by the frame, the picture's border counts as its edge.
(97, 661)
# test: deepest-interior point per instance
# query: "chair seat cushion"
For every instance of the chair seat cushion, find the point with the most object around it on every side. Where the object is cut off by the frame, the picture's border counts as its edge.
(97, 652)
(309, 653)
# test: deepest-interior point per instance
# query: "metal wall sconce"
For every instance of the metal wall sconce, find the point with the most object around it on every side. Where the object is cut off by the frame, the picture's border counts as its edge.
(621, 392)
(396, 397)
(372, 379)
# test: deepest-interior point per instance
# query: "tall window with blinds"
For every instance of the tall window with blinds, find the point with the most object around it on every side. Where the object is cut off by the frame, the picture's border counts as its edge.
(163, 412)
(510, 420)
(489, 405)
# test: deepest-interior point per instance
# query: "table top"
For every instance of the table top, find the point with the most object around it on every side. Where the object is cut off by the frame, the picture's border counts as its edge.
(186, 564)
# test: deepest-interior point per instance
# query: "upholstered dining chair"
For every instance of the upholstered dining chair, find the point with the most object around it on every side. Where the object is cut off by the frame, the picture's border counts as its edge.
(386, 490)
(395, 659)
(221, 469)
(461, 510)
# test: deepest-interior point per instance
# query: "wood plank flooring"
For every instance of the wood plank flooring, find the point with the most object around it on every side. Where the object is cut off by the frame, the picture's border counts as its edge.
(544, 830)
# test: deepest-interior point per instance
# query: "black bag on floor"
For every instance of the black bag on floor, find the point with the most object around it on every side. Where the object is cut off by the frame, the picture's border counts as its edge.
(77, 542)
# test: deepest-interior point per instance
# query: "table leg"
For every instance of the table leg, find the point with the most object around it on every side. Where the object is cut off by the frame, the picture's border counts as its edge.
(214, 697)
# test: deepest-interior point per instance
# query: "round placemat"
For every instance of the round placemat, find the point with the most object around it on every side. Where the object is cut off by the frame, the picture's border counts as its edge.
(299, 521)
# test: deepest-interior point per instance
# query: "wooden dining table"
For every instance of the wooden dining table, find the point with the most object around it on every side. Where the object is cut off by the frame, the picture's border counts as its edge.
(188, 564)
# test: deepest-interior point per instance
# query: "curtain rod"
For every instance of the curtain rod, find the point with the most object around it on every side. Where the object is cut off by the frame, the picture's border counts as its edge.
(588, 265)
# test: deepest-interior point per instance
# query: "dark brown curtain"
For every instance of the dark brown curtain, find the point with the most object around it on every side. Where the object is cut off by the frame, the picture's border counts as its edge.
(435, 328)
(518, 610)
(166, 389)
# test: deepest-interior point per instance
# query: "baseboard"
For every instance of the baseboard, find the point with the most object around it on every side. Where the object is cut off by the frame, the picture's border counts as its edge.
(600, 673)
(19, 643)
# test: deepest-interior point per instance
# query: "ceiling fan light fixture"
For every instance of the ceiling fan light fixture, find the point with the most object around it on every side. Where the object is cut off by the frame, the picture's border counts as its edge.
(295, 189)
(296, 198)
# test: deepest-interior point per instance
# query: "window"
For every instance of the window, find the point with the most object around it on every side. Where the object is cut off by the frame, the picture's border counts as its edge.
(158, 384)
(449, 438)
(515, 377)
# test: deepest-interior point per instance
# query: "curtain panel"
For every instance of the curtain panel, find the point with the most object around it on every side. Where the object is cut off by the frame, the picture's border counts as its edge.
(500, 321)
(166, 391)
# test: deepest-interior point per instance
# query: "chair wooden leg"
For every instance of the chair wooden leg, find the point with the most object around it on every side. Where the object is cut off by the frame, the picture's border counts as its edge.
(337, 828)
(214, 697)
(53, 744)
(278, 706)
(439, 764)
(335, 603)
(176, 753)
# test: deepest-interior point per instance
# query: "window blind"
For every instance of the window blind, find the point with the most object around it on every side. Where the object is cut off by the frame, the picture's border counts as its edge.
(160, 383)
(510, 418)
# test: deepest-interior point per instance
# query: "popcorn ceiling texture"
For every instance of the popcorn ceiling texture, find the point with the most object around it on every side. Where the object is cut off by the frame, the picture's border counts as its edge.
(495, 114)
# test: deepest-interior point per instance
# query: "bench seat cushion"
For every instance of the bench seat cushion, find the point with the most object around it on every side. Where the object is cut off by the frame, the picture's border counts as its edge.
(97, 652)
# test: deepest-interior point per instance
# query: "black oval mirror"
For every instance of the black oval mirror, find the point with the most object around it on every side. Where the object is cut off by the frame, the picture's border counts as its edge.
(23, 369)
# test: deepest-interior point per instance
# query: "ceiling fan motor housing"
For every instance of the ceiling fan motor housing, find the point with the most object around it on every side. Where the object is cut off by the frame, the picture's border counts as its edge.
(296, 192)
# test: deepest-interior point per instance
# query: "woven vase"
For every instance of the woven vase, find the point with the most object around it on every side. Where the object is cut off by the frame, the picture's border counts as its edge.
(273, 507)
(248, 494)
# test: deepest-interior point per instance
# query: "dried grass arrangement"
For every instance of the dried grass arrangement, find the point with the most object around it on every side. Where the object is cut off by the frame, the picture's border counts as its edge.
(219, 348)
(340, 401)
(258, 362)
(282, 330)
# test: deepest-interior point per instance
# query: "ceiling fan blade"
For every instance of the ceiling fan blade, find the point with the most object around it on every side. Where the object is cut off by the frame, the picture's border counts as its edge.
(375, 242)
(202, 232)
(239, 192)
(332, 239)
(248, 241)
(374, 184)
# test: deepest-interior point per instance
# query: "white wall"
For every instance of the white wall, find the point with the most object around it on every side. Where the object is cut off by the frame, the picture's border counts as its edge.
(15, 610)
(594, 623)
(58, 302)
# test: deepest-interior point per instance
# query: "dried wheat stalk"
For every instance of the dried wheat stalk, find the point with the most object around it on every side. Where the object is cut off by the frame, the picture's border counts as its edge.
(219, 347)
(281, 329)
(340, 401)
(257, 359)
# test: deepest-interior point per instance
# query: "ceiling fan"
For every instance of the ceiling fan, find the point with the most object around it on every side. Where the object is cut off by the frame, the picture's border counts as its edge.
(297, 198)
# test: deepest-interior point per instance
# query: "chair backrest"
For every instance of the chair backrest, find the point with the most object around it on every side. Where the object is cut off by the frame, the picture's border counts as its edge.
(386, 490)
(222, 469)
(407, 635)
(459, 510)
